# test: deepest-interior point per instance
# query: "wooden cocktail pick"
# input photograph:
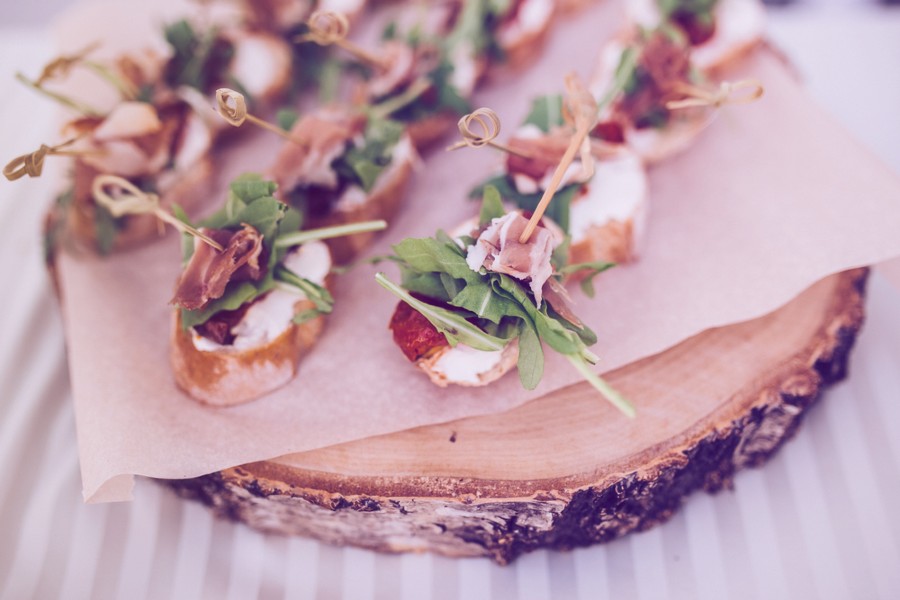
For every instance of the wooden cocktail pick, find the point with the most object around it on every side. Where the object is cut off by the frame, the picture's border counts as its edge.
(737, 92)
(121, 197)
(489, 124)
(583, 111)
(331, 28)
(32, 164)
(232, 107)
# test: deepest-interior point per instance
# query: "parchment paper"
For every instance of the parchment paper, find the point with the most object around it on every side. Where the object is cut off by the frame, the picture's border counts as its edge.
(773, 197)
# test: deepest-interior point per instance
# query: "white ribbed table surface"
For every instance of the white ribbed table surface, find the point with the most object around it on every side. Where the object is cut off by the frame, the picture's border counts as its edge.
(818, 521)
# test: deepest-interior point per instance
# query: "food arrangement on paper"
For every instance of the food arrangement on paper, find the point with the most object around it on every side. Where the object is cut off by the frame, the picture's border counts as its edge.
(665, 244)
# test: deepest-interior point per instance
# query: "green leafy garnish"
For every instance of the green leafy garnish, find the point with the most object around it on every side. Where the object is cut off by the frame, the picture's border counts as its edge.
(198, 60)
(362, 165)
(546, 113)
(625, 79)
(491, 205)
(108, 227)
(451, 323)
(287, 118)
(558, 210)
(589, 270)
(317, 294)
(700, 8)
(487, 310)
(250, 202)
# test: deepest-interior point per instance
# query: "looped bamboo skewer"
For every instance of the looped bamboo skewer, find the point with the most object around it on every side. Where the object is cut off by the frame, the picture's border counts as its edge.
(584, 113)
(738, 92)
(32, 164)
(489, 124)
(236, 114)
(328, 28)
(131, 200)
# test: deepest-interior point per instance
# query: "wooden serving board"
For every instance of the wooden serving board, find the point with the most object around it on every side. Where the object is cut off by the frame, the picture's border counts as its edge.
(565, 470)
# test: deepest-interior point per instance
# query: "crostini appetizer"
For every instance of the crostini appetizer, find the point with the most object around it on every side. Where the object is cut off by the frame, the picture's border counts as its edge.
(257, 63)
(603, 207)
(251, 304)
(719, 31)
(473, 306)
(653, 97)
(343, 167)
(150, 136)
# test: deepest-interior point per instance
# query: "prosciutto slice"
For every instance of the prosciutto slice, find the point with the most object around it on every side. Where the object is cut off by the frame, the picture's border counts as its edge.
(324, 139)
(498, 249)
(209, 271)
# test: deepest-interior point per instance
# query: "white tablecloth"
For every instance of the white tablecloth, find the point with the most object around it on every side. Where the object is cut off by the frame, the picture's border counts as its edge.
(819, 520)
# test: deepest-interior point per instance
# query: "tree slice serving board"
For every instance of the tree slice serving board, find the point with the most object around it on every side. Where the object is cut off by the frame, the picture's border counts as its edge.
(565, 470)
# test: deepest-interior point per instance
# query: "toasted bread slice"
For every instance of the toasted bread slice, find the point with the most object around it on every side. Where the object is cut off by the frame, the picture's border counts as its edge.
(522, 38)
(267, 345)
(229, 377)
(383, 202)
(607, 219)
(468, 367)
(187, 189)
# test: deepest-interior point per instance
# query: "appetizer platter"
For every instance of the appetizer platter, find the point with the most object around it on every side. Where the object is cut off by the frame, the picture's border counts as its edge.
(630, 394)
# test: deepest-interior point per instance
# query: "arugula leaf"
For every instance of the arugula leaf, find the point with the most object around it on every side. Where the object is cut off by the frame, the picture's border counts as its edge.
(234, 297)
(557, 335)
(56, 220)
(315, 293)
(362, 165)
(471, 26)
(610, 393)
(409, 105)
(480, 299)
(546, 113)
(251, 186)
(428, 254)
(187, 240)
(531, 356)
(306, 315)
(625, 79)
(432, 285)
(560, 256)
(389, 32)
(287, 118)
(491, 205)
(449, 97)
(198, 61)
(452, 324)
(262, 214)
(557, 211)
(593, 269)
(701, 8)
(106, 227)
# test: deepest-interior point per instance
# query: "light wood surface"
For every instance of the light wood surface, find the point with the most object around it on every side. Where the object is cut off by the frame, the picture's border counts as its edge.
(565, 470)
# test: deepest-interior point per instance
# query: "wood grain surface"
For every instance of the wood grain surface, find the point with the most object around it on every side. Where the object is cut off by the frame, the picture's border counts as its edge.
(565, 470)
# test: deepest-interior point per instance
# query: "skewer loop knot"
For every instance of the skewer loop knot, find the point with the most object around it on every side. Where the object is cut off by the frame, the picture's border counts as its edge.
(232, 106)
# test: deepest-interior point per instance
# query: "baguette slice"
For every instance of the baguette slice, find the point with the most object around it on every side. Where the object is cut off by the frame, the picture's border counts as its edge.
(651, 144)
(522, 37)
(187, 189)
(608, 217)
(467, 367)
(262, 362)
(739, 26)
(227, 378)
(428, 350)
(424, 133)
(383, 202)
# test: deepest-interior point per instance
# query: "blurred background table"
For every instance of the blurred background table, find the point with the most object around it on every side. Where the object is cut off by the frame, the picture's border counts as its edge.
(819, 520)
